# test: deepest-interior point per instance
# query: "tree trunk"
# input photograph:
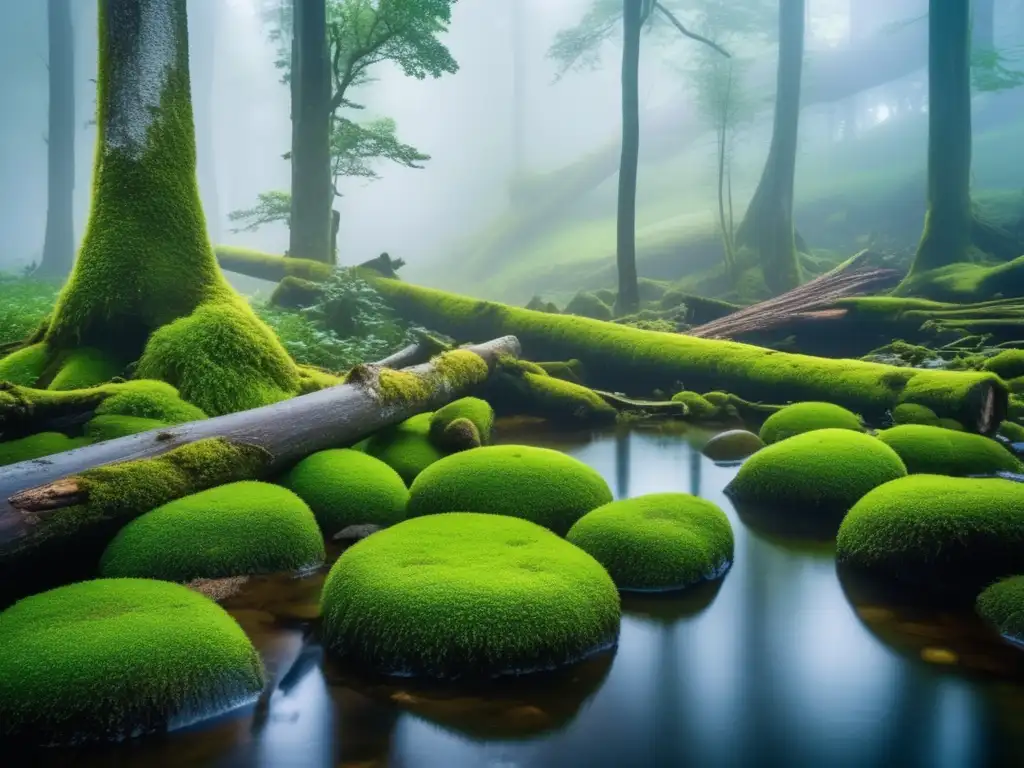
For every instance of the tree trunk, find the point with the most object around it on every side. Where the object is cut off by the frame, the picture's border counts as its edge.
(983, 25)
(49, 507)
(628, 300)
(947, 225)
(768, 224)
(59, 246)
(312, 191)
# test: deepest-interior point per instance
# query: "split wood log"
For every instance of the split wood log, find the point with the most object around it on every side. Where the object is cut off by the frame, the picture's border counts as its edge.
(48, 503)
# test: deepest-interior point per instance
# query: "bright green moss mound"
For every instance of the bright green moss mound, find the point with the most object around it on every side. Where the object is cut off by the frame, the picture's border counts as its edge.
(149, 399)
(467, 595)
(661, 541)
(345, 487)
(473, 408)
(827, 470)
(805, 417)
(38, 445)
(231, 530)
(937, 451)
(698, 407)
(110, 427)
(111, 658)
(222, 359)
(914, 414)
(588, 305)
(538, 484)
(1002, 605)
(1008, 364)
(406, 447)
(1012, 432)
(25, 366)
(85, 367)
(957, 533)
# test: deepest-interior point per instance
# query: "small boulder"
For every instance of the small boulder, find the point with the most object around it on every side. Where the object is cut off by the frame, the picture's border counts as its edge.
(732, 445)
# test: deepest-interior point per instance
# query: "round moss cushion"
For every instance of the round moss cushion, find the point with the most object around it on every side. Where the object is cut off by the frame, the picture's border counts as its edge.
(1002, 605)
(406, 447)
(909, 413)
(111, 658)
(805, 417)
(827, 469)
(477, 411)
(344, 487)
(231, 530)
(657, 542)
(947, 532)
(538, 484)
(937, 451)
(732, 445)
(465, 594)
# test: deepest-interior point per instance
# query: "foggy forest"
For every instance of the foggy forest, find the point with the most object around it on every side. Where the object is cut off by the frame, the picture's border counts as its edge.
(512, 382)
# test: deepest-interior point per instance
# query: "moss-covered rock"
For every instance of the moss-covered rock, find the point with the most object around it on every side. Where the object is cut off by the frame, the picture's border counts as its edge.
(1008, 364)
(805, 417)
(546, 397)
(109, 427)
(477, 411)
(38, 445)
(827, 470)
(569, 370)
(538, 484)
(406, 447)
(914, 414)
(732, 445)
(1002, 605)
(231, 530)
(467, 595)
(938, 451)
(661, 541)
(1012, 432)
(950, 424)
(586, 304)
(345, 487)
(958, 534)
(459, 435)
(148, 399)
(113, 658)
(697, 406)
(85, 367)
(25, 366)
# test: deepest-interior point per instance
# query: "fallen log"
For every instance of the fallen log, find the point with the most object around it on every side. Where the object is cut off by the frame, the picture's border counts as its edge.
(623, 359)
(47, 504)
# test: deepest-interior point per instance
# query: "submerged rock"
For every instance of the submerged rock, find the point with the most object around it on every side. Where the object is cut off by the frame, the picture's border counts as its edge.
(353, 533)
(733, 445)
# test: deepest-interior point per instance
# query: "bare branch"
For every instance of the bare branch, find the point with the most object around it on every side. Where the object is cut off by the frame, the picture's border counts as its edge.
(693, 35)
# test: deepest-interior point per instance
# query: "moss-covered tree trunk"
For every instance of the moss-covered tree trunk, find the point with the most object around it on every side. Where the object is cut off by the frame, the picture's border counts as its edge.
(767, 226)
(312, 190)
(628, 300)
(947, 226)
(59, 245)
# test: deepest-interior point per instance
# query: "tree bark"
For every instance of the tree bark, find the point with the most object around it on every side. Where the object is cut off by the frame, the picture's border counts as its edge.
(947, 225)
(47, 505)
(312, 191)
(628, 299)
(59, 245)
(767, 226)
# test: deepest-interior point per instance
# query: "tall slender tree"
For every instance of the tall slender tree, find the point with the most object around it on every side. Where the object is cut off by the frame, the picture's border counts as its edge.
(59, 245)
(312, 190)
(767, 226)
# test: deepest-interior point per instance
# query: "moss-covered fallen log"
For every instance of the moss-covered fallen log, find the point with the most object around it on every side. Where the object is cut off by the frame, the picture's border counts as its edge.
(50, 507)
(638, 362)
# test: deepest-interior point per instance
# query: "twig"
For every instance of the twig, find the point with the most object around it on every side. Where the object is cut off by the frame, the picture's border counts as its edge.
(693, 35)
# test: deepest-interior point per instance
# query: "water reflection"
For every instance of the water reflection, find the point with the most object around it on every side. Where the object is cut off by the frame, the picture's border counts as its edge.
(778, 664)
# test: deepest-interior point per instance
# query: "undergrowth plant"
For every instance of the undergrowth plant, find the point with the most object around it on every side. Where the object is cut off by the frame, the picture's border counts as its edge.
(24, 304)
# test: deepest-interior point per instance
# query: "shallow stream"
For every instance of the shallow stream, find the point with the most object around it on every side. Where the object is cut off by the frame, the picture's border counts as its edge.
(781, 664)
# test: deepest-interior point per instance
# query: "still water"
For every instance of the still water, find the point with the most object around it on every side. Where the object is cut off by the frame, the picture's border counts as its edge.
(780, 664)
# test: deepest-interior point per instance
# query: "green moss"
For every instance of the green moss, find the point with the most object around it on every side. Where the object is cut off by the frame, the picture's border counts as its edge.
(588, 305)
(459, 435)
(607, 295)
(1012, 432)
(26, 366)
(540, 485)
(475, 410)
(827, 470)
(312, 379)
(914, 414)
(1008, 364)
(85, 367)
(805, 417)
(406, 447)
(938, 532)
(1016, 385)
(461, 594)
(148, 399)
(222, 359)
(570, 370)
(1002, 605)
(697, 406)
(346, 487)
(661, 541)
(966, 282)
(112, 658)
(951, 424)
(269, 266)
(110, 427)
(937, 451)
(546, 397)
(622, 359)
(232, 530)
(457, 370)
(38, 445)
